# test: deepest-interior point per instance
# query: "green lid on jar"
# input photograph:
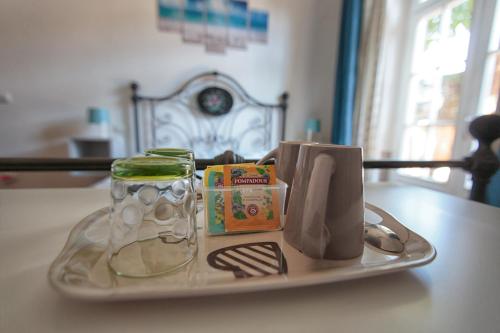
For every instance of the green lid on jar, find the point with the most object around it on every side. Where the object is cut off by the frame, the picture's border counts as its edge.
(175, 152)
(151, 168)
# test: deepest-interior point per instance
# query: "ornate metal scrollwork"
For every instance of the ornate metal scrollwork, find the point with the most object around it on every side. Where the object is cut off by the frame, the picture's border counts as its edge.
(210, 113)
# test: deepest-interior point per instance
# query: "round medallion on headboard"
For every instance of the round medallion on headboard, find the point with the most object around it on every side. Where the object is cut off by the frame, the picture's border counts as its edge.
(215, 101)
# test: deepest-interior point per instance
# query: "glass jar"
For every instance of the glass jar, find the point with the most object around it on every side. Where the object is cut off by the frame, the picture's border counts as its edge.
(153, 219)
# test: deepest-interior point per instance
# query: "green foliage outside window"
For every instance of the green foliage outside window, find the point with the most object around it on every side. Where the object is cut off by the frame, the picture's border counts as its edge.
(460, 14)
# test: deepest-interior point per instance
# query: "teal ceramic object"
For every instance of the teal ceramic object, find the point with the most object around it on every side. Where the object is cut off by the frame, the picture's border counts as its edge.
(98, 115)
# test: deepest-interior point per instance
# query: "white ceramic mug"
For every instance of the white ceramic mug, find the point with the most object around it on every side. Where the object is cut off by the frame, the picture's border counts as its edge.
(325, 218)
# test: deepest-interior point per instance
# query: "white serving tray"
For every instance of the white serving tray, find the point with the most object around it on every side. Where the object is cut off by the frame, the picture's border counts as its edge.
(239, 263)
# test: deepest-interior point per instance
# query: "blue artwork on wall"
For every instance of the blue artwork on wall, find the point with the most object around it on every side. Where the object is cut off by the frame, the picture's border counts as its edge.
(218, 24)
(170, 15)
(237, 24)
(258, 26)
(193, 25)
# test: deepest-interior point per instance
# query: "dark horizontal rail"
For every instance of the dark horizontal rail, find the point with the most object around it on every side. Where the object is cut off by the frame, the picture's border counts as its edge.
(481, 164)
(104, 164)
(387, 164)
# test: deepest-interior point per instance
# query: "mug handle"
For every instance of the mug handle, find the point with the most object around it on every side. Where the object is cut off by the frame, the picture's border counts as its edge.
(314, 240)
(272, 154)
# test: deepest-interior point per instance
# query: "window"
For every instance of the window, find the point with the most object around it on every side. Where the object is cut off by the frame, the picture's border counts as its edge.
(491, 79)
(450, 75)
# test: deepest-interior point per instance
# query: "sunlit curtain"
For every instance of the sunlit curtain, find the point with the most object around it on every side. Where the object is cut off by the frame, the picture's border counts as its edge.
(370, 78)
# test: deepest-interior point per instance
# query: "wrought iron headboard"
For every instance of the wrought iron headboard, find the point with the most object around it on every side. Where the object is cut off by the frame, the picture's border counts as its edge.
(209, 113)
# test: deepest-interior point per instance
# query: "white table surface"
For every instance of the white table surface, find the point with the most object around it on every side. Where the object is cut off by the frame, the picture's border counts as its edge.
(458, 292)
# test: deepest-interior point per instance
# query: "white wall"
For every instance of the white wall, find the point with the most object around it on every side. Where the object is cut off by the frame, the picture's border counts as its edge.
(57, 57)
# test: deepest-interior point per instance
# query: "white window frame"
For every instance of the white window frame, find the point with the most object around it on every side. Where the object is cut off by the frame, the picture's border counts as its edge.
(480, 33)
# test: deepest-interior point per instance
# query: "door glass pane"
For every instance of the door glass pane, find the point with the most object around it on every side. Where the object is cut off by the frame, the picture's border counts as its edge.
(495, 30)
(439, 61)
(491, 79)
(428, 143)
(489, 101)
(491, 85)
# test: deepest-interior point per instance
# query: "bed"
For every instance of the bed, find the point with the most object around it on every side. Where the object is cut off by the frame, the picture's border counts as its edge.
(210, 113)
